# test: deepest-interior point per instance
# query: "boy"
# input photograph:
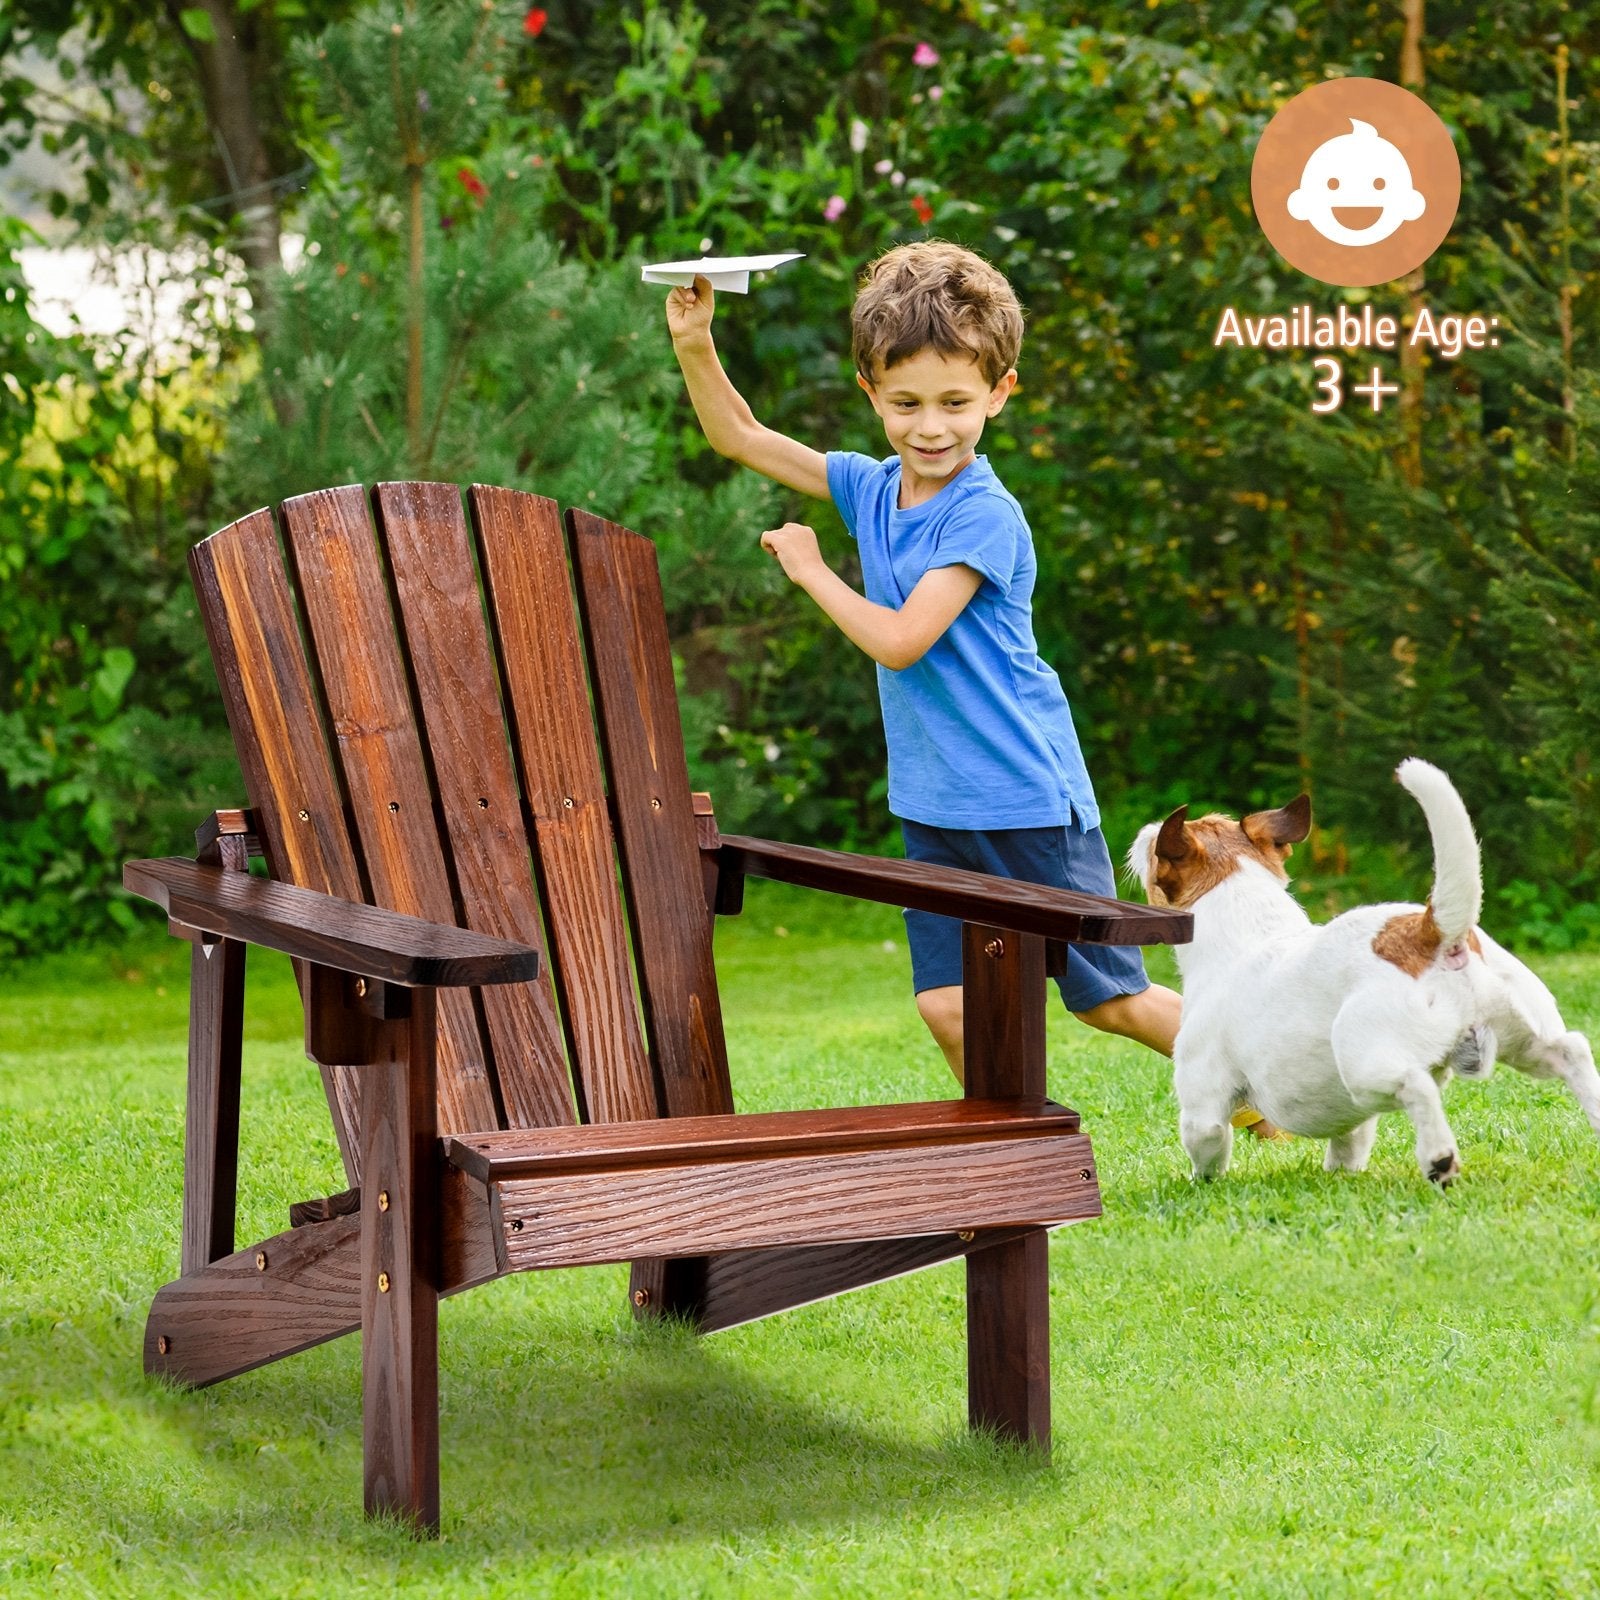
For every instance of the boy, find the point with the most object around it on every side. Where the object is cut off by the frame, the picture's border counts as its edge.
(985, 771)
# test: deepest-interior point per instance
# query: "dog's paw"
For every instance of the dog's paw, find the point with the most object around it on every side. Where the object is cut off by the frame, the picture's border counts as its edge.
(1444, 1170)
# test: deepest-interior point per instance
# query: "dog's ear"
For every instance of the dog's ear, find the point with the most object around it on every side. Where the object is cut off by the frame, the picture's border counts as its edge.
(1286, 826)
(1172, 843)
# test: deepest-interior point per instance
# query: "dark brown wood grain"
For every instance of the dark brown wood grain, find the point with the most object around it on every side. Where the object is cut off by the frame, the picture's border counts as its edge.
(742, 1285)
(316, 927)
(228, 839)
(248, 611)
(667, 1286)
(234, 1315)
(493, 1157)
(1008, 1309)
(664, 1286)
(954, 892)
(708, 840)
(400, 1272)
(1003, 989)
(424, 536)
(630, 666)
(618, 1214)
(1008, 1339)
(211, 1118)
(362, 676)
(346, 1015)
(347, 1203)
(536, 638)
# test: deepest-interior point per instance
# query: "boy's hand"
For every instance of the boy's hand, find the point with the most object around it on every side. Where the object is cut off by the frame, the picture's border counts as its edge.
(795, 546)
(689, 310)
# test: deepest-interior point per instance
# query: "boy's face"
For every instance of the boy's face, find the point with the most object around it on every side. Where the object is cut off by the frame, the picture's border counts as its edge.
(933, 408)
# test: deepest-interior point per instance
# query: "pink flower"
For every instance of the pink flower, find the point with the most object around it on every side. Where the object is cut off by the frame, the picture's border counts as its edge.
(834, 209)
(925, 55)
(936, 92)
(881, 167)
(897, 178)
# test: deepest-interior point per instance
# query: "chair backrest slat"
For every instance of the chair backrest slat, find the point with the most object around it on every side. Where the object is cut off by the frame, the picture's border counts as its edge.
(536, 636)
(335, 561)
(630, 663)
(248, 611)
(424, 536)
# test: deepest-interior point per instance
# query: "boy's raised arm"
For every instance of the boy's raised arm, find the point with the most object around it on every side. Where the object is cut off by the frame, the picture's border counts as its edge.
(729, 424)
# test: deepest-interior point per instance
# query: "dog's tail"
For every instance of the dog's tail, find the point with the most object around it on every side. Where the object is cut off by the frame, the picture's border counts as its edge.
(1457, 897)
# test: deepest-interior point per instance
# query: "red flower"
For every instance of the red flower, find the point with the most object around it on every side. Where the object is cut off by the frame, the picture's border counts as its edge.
(923, 210)
(473, 184)
(533, 23)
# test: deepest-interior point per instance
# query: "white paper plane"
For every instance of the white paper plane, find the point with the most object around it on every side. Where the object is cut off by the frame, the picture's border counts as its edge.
(725, 272)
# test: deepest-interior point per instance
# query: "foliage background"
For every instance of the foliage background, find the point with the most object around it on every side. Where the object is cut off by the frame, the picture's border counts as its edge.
(1242, 598)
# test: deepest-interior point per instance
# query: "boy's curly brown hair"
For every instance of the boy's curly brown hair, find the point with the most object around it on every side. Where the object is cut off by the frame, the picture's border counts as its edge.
(939, 294)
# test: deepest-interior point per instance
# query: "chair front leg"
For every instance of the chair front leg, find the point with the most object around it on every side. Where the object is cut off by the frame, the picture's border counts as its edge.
(1008, 1299)
(211, 1118)
(400, 1204)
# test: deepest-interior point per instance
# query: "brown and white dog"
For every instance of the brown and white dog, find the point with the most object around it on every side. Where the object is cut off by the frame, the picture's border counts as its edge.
(1322, 1027)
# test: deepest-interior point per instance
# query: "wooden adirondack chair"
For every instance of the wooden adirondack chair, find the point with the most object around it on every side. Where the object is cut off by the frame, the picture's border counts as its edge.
(427, 788)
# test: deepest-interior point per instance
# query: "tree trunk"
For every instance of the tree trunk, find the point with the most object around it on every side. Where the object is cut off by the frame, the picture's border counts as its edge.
(229, 68)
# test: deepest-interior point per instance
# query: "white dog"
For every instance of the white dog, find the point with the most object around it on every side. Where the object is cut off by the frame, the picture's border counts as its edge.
(1322, 1027)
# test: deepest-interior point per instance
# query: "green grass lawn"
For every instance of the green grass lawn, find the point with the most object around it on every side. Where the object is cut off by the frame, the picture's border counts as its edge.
(1286, 1383)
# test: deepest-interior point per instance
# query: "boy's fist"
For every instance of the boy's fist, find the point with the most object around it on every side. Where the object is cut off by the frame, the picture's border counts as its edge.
(795, 546)
(689, 310)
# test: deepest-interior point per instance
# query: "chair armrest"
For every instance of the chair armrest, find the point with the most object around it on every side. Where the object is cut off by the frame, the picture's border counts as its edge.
(954, 892)
(386, 945)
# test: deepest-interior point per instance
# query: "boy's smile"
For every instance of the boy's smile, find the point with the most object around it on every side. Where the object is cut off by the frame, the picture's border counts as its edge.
(933, 408)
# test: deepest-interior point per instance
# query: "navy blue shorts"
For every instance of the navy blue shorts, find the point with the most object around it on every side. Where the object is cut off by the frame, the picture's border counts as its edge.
(1062, 858)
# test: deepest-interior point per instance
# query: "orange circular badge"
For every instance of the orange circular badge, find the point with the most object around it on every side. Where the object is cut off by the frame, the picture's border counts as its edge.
(1355, 182)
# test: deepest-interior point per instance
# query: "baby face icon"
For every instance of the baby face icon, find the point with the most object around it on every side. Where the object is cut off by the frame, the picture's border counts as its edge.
(1361, 177)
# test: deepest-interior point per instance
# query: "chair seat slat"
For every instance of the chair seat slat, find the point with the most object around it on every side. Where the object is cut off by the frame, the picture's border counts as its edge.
(493, 1157)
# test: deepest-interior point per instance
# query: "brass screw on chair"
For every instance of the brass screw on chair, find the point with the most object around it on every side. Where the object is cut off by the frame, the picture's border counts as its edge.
(163, 1344)
(1086, 1174)
(516, 1224)
(995, 947)
(261, 1260)
(383, 1199)
(305, 816)
(967, 1236)
(566, 800)
(383, 1283)
(641, 1297)
(655, 805)
(361, 987)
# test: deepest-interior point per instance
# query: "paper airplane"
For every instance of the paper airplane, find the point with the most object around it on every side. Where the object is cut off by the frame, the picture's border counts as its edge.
(725, 272)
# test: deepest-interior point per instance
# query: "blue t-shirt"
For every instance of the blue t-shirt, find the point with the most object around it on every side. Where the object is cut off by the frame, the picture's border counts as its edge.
(979, 731)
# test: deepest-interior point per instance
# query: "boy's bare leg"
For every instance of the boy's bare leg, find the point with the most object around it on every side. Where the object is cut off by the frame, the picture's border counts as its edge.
(941, 1010)
(1151, 1017)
